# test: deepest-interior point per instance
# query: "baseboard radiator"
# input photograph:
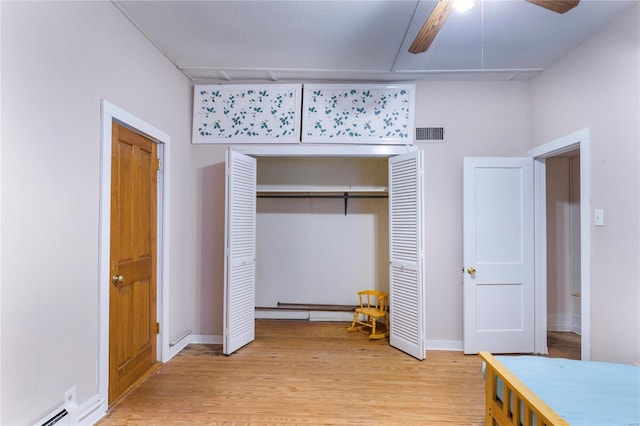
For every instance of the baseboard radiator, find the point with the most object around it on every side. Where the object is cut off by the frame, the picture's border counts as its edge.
(59, 418)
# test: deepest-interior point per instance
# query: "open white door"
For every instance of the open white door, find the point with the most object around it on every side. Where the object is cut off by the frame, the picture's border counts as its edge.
(240, 252)
(406, 253)
(498, 255)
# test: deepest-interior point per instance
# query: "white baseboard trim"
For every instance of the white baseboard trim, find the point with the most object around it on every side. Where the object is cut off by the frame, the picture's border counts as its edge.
(331, 316)
(577, 324)
(560, 328)
(207, 339)
(344, 316)
(559, 322)
(444, 345)
(432, 345)
(92, 411)
(172, 351)
(280, 314)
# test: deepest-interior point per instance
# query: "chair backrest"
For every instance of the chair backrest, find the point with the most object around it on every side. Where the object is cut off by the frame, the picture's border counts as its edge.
(374, 299)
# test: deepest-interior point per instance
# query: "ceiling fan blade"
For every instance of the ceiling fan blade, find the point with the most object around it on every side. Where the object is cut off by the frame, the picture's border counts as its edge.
(430, 29)
(558, 6)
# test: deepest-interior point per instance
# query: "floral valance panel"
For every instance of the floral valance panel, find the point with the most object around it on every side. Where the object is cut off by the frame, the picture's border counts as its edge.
(315, 113)
(348, 113)
(247, 113)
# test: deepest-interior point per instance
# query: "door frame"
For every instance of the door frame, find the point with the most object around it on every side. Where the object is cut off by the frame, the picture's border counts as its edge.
(110, 113)
(578, 140)
(328, 150)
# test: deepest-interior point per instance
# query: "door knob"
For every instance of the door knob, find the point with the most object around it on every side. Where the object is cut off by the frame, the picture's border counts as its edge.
(117, 279)
(471, 270)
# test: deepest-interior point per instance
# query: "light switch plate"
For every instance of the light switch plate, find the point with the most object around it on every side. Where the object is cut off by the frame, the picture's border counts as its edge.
(598, 217)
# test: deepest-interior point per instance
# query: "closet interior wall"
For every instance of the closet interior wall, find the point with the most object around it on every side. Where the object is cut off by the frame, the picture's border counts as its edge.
(308, 250)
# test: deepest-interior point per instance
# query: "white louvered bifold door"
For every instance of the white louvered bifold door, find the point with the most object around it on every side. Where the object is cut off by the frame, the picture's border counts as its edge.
(240, 252)
(406, 247)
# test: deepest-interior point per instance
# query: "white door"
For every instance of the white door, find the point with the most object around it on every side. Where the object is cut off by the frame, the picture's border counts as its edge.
(240, 252)
(498, 255)
(406, 253)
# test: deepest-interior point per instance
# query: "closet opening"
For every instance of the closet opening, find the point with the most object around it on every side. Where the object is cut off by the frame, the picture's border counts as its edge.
(289, 243)
(322, 235)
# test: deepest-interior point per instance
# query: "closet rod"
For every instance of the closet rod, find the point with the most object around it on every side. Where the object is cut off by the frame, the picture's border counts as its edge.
(318, 196)
(345, 196)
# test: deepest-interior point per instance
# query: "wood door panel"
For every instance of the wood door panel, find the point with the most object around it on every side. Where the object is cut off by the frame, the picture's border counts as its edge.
(121, 318)
(133, 304)
(122, 206)
(135, 270)
(141, 333)
(142, 202)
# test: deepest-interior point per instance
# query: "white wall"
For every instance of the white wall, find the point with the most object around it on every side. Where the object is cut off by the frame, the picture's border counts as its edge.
(596, 86)
(58, 60)
(207, 231)
(480, 118)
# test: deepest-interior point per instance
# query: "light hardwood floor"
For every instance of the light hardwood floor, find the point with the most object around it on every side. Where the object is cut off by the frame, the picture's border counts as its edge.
(313, 373)
(307, 373)
(563, 345)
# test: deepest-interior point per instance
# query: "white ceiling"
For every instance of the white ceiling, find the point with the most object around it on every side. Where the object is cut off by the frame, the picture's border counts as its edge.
(241, 41)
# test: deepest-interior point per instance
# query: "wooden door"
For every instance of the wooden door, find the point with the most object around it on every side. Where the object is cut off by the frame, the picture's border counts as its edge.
(406, 254)
(132, 298)
(498, 255)
(240, 248)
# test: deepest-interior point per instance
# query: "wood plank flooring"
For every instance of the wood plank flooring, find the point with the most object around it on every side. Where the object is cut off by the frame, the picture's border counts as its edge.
(313, 373)
(307, 373)
(564, 345)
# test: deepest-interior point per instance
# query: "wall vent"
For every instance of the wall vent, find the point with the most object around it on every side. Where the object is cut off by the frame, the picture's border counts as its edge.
(430, 134)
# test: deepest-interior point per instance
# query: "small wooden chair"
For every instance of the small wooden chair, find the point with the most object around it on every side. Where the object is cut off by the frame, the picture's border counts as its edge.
(374, 306)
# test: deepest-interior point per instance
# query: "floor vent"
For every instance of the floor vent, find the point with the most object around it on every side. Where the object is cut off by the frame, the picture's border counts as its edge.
(62, 416)
(430, 134)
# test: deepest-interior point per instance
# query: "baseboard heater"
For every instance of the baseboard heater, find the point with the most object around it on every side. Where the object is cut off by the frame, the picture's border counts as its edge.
(62, 415)
(309, 307)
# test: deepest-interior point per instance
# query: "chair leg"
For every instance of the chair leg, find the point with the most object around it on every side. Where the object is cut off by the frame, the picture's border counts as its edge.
(379, 335)
(373, 328)
(353, 324)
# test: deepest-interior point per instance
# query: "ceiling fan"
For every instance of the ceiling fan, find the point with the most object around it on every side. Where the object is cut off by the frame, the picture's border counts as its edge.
(441, 11)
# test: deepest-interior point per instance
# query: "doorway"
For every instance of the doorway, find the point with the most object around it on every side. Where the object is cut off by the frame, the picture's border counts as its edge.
(563, 254)
(133, 295)
(112, 114)
(579, 141)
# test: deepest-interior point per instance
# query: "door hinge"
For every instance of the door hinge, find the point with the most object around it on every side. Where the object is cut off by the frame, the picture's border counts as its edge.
(157, 328)
(157, 164)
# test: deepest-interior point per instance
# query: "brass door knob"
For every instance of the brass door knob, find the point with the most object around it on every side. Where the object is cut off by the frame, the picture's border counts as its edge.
(117, 279)
(471, 270)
